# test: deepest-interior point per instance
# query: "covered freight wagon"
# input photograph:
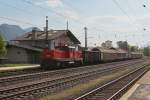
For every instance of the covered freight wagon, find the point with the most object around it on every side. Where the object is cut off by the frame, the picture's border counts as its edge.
(135, 55)
(111, 54)
(91, 57)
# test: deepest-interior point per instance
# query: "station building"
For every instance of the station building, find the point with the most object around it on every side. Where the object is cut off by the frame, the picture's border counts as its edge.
(27, 48)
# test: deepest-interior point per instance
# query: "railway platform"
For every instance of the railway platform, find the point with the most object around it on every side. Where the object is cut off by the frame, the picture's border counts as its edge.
(2, 69)
(140, 91)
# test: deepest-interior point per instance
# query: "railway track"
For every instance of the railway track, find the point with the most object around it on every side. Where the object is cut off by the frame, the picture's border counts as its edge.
(5, 81)
(115, 89)
(36, 70)
(45, 87)
(19, 72)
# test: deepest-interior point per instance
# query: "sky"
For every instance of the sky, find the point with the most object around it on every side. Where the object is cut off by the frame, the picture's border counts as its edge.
(115, 20)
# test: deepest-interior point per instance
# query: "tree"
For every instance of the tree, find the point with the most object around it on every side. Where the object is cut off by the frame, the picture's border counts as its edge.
(123, 45)
(2, 47)
(147, 51)
(107, 44)
(134, 48)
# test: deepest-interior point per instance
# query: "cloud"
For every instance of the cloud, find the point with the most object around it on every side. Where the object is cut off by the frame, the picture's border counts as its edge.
(112, 23)
(51, 3)
(60, 8)
(111, 27)
(54, 3)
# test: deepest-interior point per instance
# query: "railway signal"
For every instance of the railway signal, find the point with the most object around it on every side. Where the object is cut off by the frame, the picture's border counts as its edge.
(85, 29)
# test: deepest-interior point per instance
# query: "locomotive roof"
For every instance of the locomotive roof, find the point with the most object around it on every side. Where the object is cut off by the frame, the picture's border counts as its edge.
(52, 34)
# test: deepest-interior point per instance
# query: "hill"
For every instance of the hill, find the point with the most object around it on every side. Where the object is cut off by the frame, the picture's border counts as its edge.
(10, 31)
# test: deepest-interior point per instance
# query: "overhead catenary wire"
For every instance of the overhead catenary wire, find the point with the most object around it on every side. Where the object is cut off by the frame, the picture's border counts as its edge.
(136, 20)
(57, 13)
(129, 18)
(95, 28)
(23, 10)
(20, 10)
(74, 8)
(60, 14)
(124, 12)
(14, 7)
(45, 9)
(144, 28)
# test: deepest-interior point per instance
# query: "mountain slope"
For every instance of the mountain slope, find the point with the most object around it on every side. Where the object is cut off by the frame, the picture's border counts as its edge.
(10, 31)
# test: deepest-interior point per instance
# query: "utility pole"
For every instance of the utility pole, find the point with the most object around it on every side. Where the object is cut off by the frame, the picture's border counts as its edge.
(46, 31)
(85, 55)
(85, 29)
(67, 25)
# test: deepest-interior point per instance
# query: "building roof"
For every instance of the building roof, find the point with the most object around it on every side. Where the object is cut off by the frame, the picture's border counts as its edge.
(121, 51)
(136, 53)
(24, 47)
(52, 34)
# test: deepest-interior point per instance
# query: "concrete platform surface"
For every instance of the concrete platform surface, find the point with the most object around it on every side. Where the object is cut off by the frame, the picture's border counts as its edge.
(140, 91)
(18, 68)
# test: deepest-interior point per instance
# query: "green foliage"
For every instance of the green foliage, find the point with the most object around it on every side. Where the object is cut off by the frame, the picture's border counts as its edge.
(123, 45)
(134, 48)
(2, 47)
(147, 51)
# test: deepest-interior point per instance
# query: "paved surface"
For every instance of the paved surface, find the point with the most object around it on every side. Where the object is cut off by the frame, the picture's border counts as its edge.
(140, 91)
(18, 67)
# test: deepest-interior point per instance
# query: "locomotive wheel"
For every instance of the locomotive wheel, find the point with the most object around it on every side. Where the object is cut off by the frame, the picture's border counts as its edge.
(48, 64)
(78, 63)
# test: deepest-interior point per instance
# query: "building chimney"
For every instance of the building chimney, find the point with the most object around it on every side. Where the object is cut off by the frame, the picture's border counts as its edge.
(34, 36)
(34, 33)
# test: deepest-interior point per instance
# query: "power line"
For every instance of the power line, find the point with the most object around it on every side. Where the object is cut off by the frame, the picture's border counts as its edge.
(74, 8)
(45, 9)
(55, 12)
(138, 27)
(124, 12)
(71, 6)
(21, 10)
(136, 21)
(59, 14)
(14, 7)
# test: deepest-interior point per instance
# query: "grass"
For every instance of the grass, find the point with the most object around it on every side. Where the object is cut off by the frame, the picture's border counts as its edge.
(14, 65)
(82, 87)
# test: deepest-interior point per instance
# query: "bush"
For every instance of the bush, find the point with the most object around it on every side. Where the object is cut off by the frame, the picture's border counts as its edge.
(2, 47)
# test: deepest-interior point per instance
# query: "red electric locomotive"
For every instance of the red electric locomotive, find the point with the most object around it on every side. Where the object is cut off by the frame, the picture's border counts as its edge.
(61, 56)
